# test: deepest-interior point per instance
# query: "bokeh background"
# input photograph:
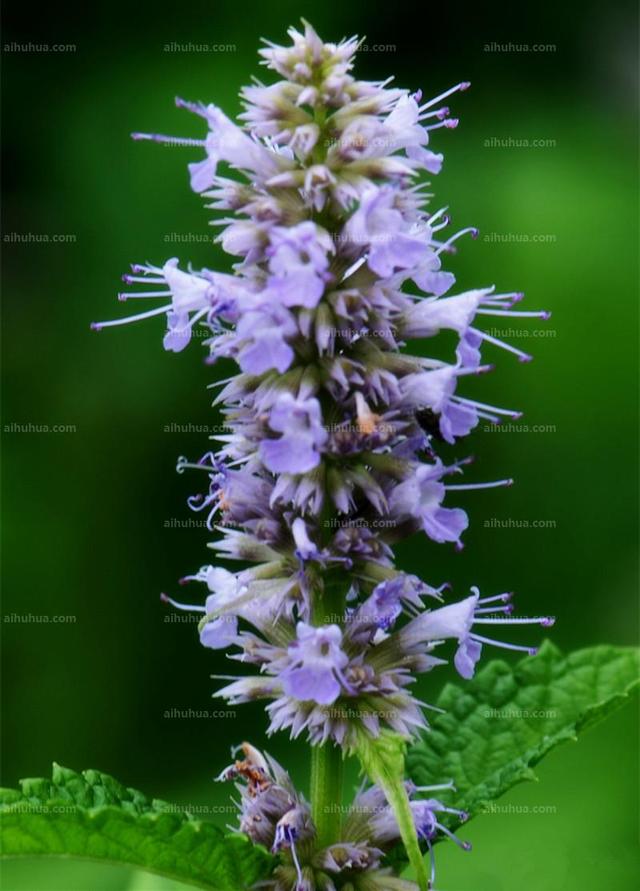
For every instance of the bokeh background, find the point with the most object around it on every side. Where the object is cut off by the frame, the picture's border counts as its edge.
(544, 163)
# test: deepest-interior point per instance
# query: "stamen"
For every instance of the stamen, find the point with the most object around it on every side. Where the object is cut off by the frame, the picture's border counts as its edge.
(158, 311)
(432, 877)
(463, 85)
(185, 606)
(445, 247)
(505, 646)
(168, 140)
(450, 123)
(524, 357)
(182, 464)
(503, 597)
(125, 296)
(465, 845)
(542, 314)
(144, 279)
(500, 411)
(492, 485)
(450, 785)
(494, 609)
(547, 621)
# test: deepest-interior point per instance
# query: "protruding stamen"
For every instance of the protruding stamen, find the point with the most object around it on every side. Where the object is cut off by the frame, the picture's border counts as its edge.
(503, 597)
(158, 311)
(524, 357)
(168, 140)
(463, 85)
(185, 606)
(447, 245)
(126, 296)
(493, 485)
(505, 646)
(540, 314)
(547, 621)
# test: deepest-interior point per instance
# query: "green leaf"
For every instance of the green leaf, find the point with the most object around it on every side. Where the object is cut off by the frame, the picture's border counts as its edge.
(499, 725)
(382, 760)
(92, 816)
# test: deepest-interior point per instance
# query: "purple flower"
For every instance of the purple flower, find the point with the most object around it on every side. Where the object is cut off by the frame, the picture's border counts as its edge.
(379, 226)
(457, 620)
(263, 337)
(316, 664)
(298, 264)
(327, 451)
(300, 423)
(420, 497)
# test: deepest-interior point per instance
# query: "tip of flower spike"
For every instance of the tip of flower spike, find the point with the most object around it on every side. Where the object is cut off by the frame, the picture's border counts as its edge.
(548, 621)
(546, 315)
(443, 113)
(467, 846)
(122, 297)
(183, 581)
(485, 369)
(459, 546)
(95, 326)
(165, 598)
(532, 651)
(464, 85)
(525, 357)
(451, 123)
(474, 232)
(464, 816)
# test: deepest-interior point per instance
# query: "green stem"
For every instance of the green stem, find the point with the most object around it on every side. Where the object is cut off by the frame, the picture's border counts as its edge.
(327, 760)
(326, 792)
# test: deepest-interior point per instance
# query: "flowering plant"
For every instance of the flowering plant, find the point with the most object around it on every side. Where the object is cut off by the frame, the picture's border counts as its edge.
(331, 456)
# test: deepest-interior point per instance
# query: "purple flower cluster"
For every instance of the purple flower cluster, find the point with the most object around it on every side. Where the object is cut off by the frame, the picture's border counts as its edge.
(332, 424)
(274, 814)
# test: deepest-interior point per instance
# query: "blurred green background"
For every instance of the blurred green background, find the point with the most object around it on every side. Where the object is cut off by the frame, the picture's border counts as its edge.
(96, 521)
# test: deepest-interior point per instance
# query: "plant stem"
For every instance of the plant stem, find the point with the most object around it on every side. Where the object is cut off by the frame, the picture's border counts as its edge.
(327, 760)
(326, 792)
